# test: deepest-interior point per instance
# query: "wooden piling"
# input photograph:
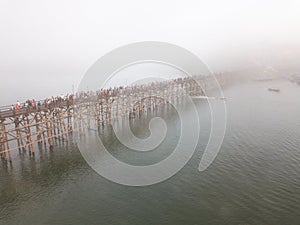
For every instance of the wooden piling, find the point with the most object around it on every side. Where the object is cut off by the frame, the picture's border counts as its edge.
(47, 123)
(49, 134)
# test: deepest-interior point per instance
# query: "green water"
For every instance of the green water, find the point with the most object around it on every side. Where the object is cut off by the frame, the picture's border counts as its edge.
(255, 178)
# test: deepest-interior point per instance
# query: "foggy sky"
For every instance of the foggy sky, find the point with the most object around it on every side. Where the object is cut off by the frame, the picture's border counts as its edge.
(47, 46)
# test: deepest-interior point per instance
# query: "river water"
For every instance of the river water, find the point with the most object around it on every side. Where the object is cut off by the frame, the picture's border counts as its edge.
(255, 178)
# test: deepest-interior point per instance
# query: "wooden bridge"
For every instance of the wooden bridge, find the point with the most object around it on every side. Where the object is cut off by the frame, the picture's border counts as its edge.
(21, 129)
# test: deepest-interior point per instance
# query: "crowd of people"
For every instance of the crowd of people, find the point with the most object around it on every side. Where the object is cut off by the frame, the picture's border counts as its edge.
(57, 101)
(103, 94)
(32, 104)
(49, 102)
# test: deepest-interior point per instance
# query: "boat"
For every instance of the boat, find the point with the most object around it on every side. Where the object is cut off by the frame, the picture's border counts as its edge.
(264, 79)
(206, 97)
(274, 89)
(202, 97)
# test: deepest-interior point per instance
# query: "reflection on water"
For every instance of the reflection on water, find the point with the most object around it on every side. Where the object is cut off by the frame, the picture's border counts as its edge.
(255, 178)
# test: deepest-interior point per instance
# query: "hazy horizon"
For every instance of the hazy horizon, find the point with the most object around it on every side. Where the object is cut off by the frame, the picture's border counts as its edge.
(47, 46)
